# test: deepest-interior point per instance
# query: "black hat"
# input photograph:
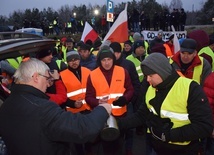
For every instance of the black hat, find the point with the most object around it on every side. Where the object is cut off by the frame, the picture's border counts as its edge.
(158, 48)
(105, 52)
(89, 42)
(97, 43)
(85, 47)
(156, 63)
(70, 40)
(128, 42)
(44, 52)
(116, 46)
(188, 45)
(72, 55)
(138, 44)
(80, 43)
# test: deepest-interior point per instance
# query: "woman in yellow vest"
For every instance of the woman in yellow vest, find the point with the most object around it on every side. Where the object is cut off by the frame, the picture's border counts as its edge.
(176, 110)
(111, 84)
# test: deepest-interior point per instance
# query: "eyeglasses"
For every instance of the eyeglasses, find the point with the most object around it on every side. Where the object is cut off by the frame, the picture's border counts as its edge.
(48, 78)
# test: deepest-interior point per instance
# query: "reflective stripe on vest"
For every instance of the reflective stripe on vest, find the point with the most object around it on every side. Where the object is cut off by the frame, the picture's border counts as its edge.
(168, 51)
(137, 64)
(174, 105)
(76, 89)
(69, 25)
(112, 97)
(76, 92)
(116, 88)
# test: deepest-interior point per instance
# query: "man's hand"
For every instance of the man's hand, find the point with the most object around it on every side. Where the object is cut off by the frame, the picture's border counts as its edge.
(159, 127)
(78, 103)
(103, 100)
(160, 133)
(107, 107)
(54, 74)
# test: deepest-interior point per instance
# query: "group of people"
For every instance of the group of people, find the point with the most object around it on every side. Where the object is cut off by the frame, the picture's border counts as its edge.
(62, 97)
(139, 21)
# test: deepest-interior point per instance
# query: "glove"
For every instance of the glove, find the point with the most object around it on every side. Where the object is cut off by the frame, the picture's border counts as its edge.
(160, 127)
(156, 121)
(121, 101)
(160, 133)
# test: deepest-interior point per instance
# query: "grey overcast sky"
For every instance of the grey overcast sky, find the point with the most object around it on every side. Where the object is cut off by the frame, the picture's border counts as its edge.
(8, 6)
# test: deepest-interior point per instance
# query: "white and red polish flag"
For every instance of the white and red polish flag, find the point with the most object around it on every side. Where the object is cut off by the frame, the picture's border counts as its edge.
(175, 41)
(119, 30)
(88, 33)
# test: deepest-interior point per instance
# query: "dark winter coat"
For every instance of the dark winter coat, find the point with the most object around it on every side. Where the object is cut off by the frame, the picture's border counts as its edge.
(30, 124)
(198, 109)
(130, 67)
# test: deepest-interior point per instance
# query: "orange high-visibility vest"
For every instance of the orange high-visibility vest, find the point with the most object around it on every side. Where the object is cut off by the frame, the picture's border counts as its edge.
(116, 88)
(76, 89)
(169, 52)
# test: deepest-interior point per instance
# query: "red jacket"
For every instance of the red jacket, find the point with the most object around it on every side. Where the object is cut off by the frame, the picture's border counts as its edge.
(61, 94)
(206, 70)
(209, 90)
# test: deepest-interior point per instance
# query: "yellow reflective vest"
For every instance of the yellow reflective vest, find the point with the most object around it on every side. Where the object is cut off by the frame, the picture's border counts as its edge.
(207, 50)
(174, 105)
(14, 62)
(197, 72)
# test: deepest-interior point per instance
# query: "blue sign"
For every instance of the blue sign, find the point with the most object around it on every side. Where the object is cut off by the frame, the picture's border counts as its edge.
(110, 6)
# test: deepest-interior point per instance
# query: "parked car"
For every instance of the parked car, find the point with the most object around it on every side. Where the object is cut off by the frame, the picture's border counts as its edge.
(14, 44)
(6, 28)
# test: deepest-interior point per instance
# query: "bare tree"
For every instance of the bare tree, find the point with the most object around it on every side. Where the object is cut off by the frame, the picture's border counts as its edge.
(177, 4)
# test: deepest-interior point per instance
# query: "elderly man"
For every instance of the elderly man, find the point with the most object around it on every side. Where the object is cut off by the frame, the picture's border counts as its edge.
(32, 124)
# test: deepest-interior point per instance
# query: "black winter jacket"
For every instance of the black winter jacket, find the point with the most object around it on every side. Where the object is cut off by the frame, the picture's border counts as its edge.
(30, 124)
(198, 109)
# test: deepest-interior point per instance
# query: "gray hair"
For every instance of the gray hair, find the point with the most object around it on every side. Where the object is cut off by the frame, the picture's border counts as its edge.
(26, 70)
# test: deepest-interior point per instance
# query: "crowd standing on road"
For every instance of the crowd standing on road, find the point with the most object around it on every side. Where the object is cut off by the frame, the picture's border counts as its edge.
(62, 96)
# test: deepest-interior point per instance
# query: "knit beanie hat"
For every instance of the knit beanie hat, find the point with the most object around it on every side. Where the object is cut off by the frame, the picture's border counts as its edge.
(160, 32)
(85, 46)
(156, 63)
(105, 52)
(136, 36)
(138, 44)
(44, 52)
(72, 55)
(158, 48)
(201, 37)
(116, 46)
(97, 43)
(106, 43)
